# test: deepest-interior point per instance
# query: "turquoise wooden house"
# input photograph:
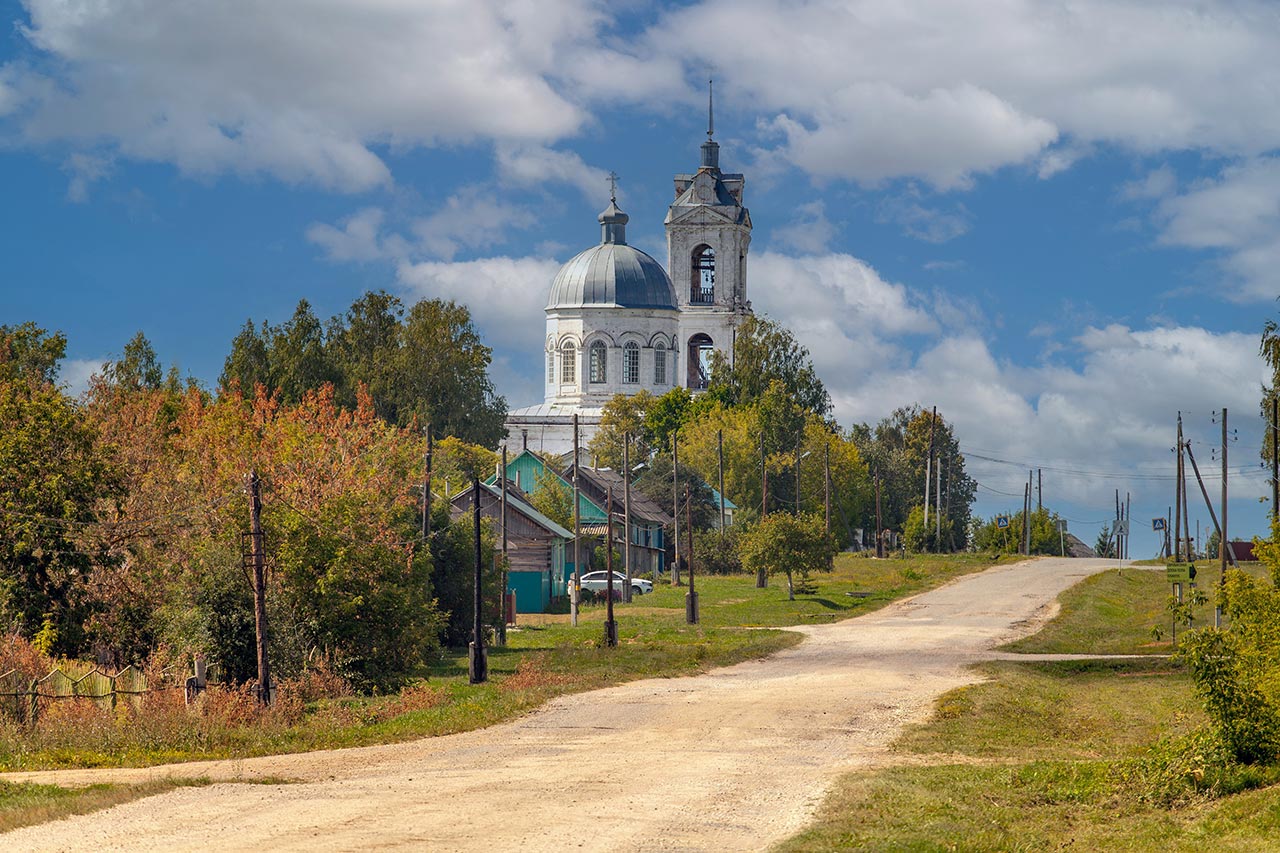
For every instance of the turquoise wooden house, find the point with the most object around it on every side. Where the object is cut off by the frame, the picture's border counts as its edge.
(537, 547)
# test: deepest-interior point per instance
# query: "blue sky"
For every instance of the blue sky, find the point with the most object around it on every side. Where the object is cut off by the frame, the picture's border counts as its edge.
(1059, 223)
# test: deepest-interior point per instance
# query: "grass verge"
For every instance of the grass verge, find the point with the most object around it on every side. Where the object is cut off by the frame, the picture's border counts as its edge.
(26, 804)
(545, 657)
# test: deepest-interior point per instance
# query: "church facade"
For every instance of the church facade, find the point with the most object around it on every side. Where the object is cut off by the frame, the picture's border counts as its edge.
(618, 323)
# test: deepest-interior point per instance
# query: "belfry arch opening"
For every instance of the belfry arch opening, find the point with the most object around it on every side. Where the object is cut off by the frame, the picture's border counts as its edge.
(702, 286)
(699, 361)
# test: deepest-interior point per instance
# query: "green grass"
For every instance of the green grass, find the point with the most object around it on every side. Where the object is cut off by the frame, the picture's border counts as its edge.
(545, 657)
(1045, 756)
(26, 804)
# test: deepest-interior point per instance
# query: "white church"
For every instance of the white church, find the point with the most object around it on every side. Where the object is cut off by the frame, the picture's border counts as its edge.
(617, 323)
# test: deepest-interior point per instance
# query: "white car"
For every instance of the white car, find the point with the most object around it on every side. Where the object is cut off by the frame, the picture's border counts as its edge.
(599, 582)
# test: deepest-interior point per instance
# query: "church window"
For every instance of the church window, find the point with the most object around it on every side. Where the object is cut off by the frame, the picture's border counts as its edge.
(631, 363)
(703, 284)
(551, 366)
(700, 350)
(568, 365)
(660, 364)
(599, 363)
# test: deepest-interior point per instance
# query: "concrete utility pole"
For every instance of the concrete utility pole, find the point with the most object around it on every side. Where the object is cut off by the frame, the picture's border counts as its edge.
(1039, 489)
(610, 626)
(259, 587)
(478, 657)
(626, 512)
(799, 446)
(1026, 518)
(826, 495)
(575, 585)
(675, 506)
(1213, 516)
(502, 574)
(690, 597)
(1128, 506)
(937, 508)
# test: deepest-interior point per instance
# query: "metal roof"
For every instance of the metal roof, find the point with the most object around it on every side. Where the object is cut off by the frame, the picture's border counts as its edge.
(612, 274)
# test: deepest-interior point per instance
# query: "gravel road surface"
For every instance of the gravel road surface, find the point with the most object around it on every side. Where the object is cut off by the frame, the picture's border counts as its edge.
(736, 759)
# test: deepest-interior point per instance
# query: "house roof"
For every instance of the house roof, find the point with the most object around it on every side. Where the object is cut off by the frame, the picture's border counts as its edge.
(601, 479)
(519, 506)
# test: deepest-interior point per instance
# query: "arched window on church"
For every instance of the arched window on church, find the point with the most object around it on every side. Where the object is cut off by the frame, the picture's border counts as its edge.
(599, 363)
(703, 285)
(568, 364)
(631, 363)
(699, 361)
(660, 364)
(551, 366)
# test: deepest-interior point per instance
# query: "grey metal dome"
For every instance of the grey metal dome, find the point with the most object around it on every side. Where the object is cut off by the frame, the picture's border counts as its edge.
(613, 273)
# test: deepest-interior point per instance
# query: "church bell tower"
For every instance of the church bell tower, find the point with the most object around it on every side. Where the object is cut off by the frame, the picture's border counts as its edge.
(708, 234)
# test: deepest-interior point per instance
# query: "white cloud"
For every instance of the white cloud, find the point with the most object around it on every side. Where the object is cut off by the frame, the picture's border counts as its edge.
(74, 373)
(301, 90)
(84, 171)
(532, 165)
(474, 218)
(506, 296)
(931, 224)
(358, 239)
(809, 232)
(1238, 214)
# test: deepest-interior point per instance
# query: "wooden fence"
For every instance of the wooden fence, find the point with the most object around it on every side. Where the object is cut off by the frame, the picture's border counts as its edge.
(21, 697)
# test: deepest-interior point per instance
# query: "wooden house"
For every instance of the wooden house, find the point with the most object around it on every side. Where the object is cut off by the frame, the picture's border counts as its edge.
(538, 549)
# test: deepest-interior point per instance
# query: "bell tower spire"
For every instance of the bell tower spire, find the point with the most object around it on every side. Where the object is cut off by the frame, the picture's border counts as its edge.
(710, 148)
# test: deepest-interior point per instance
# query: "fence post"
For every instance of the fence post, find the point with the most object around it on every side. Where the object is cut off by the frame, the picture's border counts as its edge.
(35, 708)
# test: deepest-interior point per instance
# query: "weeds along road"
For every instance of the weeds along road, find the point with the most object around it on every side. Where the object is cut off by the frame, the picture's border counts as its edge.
(736, 759)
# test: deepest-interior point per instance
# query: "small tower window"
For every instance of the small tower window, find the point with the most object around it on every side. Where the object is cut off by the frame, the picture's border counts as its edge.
(599, 363)
(703, 285)
(700, 350)
(568, 365)
(660, 364)
(631, 363)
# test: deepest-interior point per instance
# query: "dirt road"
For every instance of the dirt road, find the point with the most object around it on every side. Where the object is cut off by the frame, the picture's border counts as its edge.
(733, 760)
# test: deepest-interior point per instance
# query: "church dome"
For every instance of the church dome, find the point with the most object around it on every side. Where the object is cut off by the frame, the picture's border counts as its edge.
(612, 273)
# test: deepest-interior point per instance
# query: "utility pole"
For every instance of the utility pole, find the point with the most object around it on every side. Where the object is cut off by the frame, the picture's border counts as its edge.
(928, 467)
(690, 597)
(1213, 516)
(575, 582)
(1039, 489)
(937, 508)
(1275, 455)
(1222, 538)
(502, 574)
(478, 658)
(426, 492)
(879, 524)
(826, 485)
(626, 511)
(610, 626)
(1177, 497)
(799, 444)
(720, 459)
(259, 587)
(1127, 517)
(762, 577)
(1026, 518)
(675, 505)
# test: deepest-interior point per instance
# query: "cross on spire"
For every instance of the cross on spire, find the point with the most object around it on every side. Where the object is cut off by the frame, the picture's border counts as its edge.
(613, 186)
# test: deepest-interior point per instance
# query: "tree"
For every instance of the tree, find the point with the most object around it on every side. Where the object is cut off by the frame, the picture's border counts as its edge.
(1045, 539)
(52, 475)
(299, 359)
(552, 498)
(363, 346)
(764, 351)
(249, 362)
(786, 543)
(1269, 349)
(31, 354)
(622, 416)
(137, 368)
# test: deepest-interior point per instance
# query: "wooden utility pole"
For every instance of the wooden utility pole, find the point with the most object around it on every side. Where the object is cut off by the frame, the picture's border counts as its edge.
(937, 507)
(478, 657)
(1177, 497)
(259, 587)
(610, 626)
(826, 496)
(626, 512)
(502, 572)
(1026, 518)
(1222, 538)
(879, 524)
(1039, 489)
(1186, 506)
(690, 597)
(575, 582)
(1213, 516)
(928, 467)
(675, 505)
(1128, 507)
(426, 492)
(720, 463)
(799, 446)
(1275, 455)
(762, 577)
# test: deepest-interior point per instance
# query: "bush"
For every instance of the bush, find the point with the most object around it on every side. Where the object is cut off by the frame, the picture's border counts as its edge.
(717, 554)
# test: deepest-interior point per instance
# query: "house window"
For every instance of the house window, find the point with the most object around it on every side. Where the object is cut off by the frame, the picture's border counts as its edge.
(703, 284)
(631, 363)
(568, 365)
(599, 363)
(660, 364)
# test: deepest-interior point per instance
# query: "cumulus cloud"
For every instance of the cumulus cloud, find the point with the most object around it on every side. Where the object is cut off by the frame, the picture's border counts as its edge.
(1237, 214)
(532, 165)
(809, 231)
(74, 373)
(922, 221)
(84, 170)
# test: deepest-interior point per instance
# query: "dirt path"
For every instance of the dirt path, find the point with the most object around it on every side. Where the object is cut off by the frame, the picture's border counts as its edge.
(733, 760)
